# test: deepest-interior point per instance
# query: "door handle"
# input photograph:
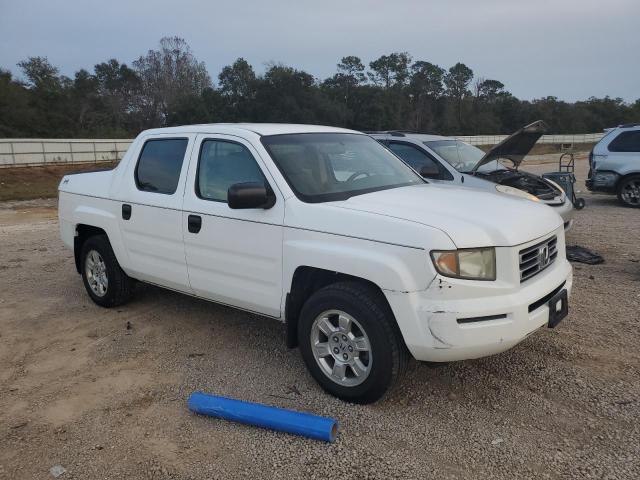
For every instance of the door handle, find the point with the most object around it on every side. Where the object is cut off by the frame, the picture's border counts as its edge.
(194, 223)
(126, 211)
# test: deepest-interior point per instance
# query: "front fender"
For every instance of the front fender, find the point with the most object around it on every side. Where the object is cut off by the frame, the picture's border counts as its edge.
(390, 267)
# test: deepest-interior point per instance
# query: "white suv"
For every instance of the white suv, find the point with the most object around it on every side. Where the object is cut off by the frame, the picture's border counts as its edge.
(328, 231)
(615, 164)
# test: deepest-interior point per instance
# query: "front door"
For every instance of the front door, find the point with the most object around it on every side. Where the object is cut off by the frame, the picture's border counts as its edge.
(233, 256)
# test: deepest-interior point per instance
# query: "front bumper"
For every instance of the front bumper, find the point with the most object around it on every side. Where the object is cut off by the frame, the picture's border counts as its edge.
(430, 320)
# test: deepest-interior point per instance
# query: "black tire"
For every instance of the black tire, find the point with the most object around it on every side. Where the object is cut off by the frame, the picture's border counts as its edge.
(368, 307)
(119, 286)
(625, 183)
(579, 203)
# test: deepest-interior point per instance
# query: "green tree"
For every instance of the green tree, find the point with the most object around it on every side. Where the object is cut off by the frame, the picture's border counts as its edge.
(17, 116)
(457, 81)
(48, 95)
(118, 88)
(391, 73)
(166, 75)
(169, 86)
(40, 74)
(352, 70)
(85, 103)
(238, 85)
(425, 89)
(489, 90)
(390, 70)
(343, 84)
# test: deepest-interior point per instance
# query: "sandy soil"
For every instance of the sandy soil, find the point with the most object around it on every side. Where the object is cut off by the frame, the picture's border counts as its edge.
(80, 390)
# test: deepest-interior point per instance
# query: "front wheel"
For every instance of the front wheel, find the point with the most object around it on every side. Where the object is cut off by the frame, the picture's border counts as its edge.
(629, 191)
(351, 343)
(104, 280)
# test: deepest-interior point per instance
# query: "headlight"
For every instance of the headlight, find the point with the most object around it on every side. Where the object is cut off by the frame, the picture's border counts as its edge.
(516, 192)
(555, 185)
(470, 264)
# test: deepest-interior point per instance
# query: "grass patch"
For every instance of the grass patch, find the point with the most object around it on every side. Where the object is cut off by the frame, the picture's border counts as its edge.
(27, 183)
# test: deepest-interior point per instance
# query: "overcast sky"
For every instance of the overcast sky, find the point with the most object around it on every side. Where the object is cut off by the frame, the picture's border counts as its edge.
(572, 49)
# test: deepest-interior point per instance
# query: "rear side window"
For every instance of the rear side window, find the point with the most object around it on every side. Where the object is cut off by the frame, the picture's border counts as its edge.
(159, 165)
(223, 164)
(626, 142)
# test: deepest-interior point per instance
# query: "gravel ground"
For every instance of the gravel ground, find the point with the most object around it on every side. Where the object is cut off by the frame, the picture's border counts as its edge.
(80, 390)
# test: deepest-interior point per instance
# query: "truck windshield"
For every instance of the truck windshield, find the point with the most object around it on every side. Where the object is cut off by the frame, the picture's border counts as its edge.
(325, 167)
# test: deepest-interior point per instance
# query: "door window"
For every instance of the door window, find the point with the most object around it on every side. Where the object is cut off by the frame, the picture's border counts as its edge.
(221, 164)
(159, 165)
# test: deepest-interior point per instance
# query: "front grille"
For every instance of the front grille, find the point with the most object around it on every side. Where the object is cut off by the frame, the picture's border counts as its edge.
(536, 258)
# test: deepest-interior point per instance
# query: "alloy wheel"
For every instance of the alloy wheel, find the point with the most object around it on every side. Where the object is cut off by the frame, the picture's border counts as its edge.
(341, 348)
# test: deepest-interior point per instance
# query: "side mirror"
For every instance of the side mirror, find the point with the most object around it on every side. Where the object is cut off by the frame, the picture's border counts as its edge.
(430, 171)
(250, 195)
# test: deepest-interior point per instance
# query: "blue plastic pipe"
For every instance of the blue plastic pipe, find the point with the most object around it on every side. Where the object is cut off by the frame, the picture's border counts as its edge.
(298, 423)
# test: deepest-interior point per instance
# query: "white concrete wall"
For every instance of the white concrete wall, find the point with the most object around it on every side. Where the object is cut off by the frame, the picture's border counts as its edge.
(43, 151)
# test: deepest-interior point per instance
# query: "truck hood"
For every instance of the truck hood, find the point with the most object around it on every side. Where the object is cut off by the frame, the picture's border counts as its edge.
(516, 146)
(470, 217)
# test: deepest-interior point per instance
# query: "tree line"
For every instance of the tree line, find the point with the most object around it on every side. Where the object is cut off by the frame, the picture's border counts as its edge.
(170, 86)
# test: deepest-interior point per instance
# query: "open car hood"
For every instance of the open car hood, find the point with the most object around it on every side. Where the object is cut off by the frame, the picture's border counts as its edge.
(516, 146)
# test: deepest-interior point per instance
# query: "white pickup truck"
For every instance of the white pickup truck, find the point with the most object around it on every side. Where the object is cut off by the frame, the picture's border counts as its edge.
(327, 230)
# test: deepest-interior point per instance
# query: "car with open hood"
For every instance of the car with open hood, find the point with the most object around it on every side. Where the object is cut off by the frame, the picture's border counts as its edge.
(449, 160)
(324, 229)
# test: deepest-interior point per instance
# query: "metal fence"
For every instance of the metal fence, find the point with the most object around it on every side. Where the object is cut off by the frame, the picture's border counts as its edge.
(577, 138)
(36, 151)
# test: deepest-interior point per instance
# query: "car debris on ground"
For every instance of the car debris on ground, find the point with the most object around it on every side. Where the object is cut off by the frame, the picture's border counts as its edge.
(579, 254)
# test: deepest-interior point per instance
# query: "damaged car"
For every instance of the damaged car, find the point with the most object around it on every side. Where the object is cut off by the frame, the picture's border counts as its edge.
(324, 229)
(446, 159)
(614, 164)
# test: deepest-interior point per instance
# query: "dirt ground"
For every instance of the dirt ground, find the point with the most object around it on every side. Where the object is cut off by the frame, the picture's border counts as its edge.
(81, 390)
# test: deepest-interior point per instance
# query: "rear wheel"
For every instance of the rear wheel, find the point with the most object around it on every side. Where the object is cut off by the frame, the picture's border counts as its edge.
(629, 191)
(350, 342)
(104, 280)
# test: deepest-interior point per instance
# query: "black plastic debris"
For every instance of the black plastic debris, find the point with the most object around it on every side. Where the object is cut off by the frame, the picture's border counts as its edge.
(576, 253)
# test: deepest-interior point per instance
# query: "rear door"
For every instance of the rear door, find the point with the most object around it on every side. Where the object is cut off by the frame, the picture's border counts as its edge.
(233, 256)
(151, 211)
(623, 153)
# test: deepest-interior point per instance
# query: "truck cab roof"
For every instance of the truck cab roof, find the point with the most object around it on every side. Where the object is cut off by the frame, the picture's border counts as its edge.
(260, 129)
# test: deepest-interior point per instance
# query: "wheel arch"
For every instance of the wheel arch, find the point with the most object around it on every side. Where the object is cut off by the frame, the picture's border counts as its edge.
(83, 233)
(305, 282)
(625, 176)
